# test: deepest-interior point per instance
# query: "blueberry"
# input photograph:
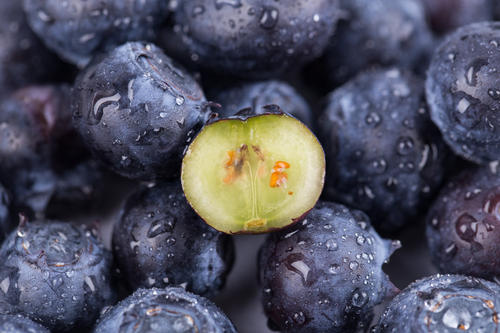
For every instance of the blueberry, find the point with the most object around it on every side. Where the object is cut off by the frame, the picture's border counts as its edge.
(4, 213)
(259, 94)
(159, 241)
(56, 273)
(443, 303)
(382, 32)
(136, 109)
(36, 133)
(463, 225)
(164, 310)
(383, 154)
(447, 15)
(78, 29)
(325, 273)
(19, 324)
(23, 58)
(462, 91)
(254, 37)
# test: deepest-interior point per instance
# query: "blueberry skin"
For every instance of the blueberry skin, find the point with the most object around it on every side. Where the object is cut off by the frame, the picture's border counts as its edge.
(462, 94)
(160, 241)
(463, 225)
(384, 155)
(377, 33)
(445, 304)
(259, 94)
(36, 133)
(57, 274)
(325, 274)
(4, 213)
(447, 15)
(136, 109)
(164, 310)
(80, 29)
(19, 324)
(254, 38)
(23, 57)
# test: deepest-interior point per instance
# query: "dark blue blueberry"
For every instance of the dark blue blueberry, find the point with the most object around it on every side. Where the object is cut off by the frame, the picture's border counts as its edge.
(383, 154)
(259, 94)
(57, 274)
(78, 29)
(254, 38)
(23, 58)
(463, 91)
(325, 273)
(447, 15)
(377, 32)
(463, 225)
(160, 241)
(137, 110)
(4, 213)
(164, 310)
(19, 324)
(443, 303)
(35, 135)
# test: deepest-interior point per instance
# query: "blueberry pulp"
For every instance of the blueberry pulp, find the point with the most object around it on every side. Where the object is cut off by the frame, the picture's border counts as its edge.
(23, 58)
(463, 225)
(35, 135)
(159, 241)
(259, 94)
(136, 109)
(4, 213)
(254, 37)
(78, 29)
(57, 274)
(447, 15)
(325, 273)
(19, 324)
(382, 32)
(443, 303)
(462, 94)
(383, 154)
(164, 310)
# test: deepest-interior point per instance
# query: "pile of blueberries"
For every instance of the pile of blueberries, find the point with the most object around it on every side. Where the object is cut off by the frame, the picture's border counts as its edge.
(403, 95)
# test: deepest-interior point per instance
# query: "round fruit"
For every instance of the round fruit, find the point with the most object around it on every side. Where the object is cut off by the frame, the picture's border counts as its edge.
(253, 173)
(160, 241)
(443, 303)
(463, 91)
(463, 226)
(325, 274)
(164, 310)
(254, 37)
(136, 109)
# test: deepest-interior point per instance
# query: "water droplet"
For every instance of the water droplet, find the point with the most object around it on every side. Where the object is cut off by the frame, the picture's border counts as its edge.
(450, 250)
(359, 298)
(299, 318)
(179, 100)
(405, 145)
(331, 245)
(353, 265)
(294, 262)
(334, 269)
(161, 226)
(373, 119)
(269, 17)
(457, 318)
(494, 93)
(463, 105)
(466, 227)
(233, 3)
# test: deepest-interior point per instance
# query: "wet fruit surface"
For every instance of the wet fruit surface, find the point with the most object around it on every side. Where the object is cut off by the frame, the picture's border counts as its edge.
(136, 110)
(462, 91)
(19, 324)
(334, 248)
(259, 94)
(377, 33)
(57, 274)
(254, 37)
(164, 310)
(463, 225)
(160, 241)
(444, 303)
(4, 213)
(383, 154)
(253, 174)
(78, 29)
